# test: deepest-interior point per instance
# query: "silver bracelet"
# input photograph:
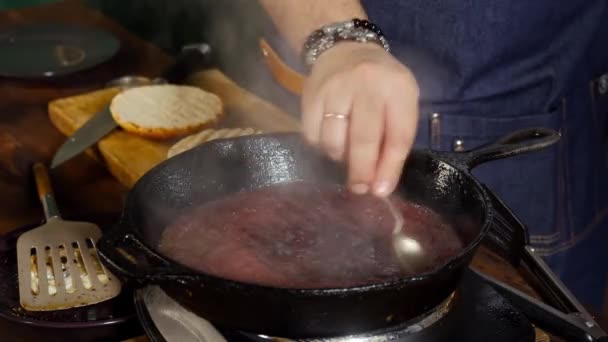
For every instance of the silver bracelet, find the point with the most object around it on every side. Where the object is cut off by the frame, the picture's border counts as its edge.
(356, 30)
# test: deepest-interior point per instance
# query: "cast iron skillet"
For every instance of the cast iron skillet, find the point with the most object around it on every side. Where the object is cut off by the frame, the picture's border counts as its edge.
(441, 181)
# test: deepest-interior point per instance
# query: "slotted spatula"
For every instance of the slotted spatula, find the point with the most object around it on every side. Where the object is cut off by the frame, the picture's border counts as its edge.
(58, 264)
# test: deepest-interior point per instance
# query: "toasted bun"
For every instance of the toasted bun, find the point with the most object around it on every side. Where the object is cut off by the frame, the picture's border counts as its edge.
(208, 135)
(165, 111)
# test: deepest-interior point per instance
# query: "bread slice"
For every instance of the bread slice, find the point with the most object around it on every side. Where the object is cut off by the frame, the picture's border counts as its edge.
(204, 136)
(165, 111)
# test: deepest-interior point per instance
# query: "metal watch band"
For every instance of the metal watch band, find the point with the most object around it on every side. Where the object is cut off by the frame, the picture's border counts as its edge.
(357, 30)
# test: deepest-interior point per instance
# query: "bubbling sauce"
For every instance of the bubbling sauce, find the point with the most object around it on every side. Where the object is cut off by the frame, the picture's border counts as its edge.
(303, 235)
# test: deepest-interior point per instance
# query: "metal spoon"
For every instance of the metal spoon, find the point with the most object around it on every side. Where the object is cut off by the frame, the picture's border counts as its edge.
(410, 254)
(131, 81)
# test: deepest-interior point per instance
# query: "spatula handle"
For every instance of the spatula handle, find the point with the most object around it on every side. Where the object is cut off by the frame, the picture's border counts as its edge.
(45, 191)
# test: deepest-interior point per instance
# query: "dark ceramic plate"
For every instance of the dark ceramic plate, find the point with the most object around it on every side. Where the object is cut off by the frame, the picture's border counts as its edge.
(113, 320)
(48, 50)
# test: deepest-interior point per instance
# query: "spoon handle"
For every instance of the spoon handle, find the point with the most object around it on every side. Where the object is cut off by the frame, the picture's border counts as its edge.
(396, 215)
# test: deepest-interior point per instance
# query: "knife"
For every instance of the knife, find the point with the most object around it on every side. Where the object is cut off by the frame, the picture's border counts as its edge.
(191, 58)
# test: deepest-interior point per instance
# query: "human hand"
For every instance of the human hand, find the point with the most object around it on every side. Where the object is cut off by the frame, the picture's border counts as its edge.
(360, 106)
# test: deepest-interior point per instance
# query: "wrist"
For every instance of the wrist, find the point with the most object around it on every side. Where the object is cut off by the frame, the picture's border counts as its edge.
(346, 48)
(355, 31)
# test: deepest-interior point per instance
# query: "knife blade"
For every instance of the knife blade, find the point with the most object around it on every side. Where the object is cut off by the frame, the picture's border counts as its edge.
(191, 58)
(100, 125)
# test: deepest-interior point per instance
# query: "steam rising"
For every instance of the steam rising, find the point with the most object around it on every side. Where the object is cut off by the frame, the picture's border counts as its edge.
(231, 27)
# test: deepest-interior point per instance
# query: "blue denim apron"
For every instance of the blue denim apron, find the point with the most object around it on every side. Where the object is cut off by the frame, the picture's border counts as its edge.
(487, 68)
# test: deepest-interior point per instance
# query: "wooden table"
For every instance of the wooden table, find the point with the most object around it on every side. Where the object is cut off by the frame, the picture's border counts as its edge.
(82, 185)
(26, 134)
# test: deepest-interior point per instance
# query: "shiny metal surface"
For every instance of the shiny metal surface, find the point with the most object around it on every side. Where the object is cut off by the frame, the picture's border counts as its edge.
(100, 125)
(409, 252)
(458, 145)
(130, 81)
(86, 136)
(435, 131)
(174, 322)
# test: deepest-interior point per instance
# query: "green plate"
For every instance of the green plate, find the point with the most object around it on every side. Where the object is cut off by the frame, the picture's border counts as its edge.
(48, 50)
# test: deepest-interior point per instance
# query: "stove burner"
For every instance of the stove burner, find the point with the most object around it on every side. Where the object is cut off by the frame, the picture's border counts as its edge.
(399, 331)
(474, 313)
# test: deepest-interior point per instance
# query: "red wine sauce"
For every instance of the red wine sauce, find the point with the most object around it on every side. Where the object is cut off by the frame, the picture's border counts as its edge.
(303, 235)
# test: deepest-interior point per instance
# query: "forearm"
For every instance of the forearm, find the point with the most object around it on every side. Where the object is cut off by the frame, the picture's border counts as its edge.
(296, 19)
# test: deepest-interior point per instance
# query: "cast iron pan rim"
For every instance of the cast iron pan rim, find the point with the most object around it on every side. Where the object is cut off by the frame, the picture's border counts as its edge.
(193, 275)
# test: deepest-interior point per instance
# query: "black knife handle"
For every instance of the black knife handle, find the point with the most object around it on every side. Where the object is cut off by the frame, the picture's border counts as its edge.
(191, 58)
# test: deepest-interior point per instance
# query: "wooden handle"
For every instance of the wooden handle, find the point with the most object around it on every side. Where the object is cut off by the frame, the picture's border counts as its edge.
(282, 73)
(45, 191)
(43, 182)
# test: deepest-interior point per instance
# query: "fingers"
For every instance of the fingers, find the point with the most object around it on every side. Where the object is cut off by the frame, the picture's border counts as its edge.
(379, 98)
(364, 140)
(312, 114)
(375, 138)
(334, 122)
(399, 134)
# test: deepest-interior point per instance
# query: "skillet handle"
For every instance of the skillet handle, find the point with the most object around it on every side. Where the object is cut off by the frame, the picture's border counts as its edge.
(509, 236)
(130, 259)
(516, 143)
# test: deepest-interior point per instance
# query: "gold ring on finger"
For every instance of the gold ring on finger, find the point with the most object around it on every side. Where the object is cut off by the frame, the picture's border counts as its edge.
(335, 116)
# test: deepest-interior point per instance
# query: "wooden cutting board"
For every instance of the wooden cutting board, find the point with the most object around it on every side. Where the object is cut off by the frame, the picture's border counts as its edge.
(128, 157)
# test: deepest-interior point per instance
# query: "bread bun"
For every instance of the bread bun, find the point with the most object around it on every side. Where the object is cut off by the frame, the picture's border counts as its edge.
(165, 111)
